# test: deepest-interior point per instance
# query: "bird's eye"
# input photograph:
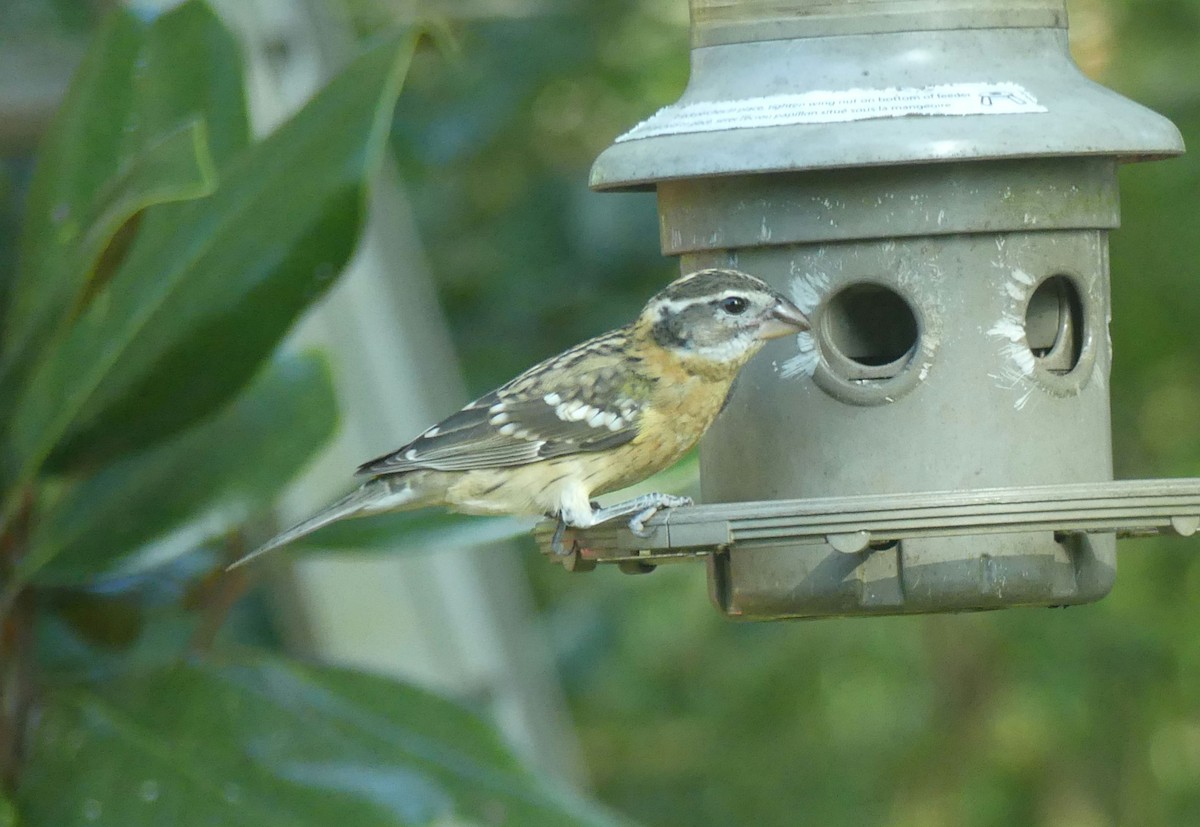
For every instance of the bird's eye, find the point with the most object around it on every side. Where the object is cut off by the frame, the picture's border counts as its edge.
(734, 305)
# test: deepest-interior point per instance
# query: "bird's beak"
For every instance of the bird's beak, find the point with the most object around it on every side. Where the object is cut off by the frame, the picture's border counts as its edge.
(782, 319)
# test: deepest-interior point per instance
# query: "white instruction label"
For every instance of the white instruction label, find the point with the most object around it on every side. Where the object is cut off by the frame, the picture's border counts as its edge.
(838, 107)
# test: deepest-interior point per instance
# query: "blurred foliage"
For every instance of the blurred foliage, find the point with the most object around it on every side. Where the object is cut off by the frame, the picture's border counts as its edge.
(496, 145)
(1082, 717)
(14, 178)
(55, 16)
(145, 418)
(241, 740)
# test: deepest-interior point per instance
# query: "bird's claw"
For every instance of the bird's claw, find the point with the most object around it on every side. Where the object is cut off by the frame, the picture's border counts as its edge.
(637, 523)
(556, 542)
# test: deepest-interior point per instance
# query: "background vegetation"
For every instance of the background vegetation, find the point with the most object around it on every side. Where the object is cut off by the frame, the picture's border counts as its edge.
(1082, 717)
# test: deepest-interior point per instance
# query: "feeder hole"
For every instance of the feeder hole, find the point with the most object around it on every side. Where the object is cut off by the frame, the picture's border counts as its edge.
(1054, 324)
(869, 332)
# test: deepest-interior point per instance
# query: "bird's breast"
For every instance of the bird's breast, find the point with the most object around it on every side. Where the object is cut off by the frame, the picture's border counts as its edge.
(682, 411)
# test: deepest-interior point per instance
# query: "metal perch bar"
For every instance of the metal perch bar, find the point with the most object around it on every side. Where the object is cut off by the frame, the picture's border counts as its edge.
(854, 524)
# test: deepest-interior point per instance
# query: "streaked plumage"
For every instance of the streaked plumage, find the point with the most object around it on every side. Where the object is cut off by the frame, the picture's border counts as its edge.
(607, 413)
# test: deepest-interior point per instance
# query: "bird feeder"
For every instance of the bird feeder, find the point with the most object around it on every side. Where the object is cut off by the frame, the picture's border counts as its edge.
(935, 183)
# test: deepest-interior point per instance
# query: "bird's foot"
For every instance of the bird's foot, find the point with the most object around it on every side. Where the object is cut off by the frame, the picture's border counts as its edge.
(642, 509)
(637, 524)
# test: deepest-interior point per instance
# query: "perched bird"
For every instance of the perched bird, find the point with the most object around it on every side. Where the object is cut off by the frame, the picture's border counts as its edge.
(603, 415)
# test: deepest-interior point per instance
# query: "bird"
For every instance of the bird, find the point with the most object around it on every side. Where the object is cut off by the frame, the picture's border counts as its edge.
(598, 417)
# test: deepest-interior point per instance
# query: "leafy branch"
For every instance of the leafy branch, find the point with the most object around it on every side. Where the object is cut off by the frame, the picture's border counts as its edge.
(145, 417)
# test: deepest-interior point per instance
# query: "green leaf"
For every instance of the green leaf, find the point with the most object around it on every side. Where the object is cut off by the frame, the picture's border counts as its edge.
(191, 63)
(133, 132)
(178, 167)
(160, 503)
(8, 815)
(254, 740)
(187, 319)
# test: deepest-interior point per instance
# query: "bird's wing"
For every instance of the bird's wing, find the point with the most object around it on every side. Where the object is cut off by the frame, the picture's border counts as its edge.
(588, 398)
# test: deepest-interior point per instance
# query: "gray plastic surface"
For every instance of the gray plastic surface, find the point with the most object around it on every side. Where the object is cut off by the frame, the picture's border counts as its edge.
(900, 553)
(1082, 117)
(716, 22)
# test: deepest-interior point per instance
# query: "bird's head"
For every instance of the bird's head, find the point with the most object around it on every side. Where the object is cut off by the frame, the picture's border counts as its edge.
(721, 317)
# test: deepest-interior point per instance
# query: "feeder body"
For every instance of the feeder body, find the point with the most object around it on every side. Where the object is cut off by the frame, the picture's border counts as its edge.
(938, 389)
(936, 184)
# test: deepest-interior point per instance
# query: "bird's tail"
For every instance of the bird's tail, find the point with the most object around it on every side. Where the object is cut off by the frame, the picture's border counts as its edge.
(394, 493)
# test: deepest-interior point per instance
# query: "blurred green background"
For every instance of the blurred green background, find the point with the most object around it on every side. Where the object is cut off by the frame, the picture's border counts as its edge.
(1079, 717)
